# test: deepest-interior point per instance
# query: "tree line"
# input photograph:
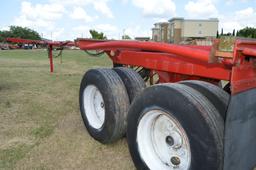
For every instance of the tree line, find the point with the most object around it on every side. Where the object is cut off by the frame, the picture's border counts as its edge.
(27, 33)
(19, 32)
(247, 32)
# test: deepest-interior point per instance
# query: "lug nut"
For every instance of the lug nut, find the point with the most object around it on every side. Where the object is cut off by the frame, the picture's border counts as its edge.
(175, 160)
(169, 140)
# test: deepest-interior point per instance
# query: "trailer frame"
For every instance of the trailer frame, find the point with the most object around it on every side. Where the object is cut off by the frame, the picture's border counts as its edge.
(174, 63)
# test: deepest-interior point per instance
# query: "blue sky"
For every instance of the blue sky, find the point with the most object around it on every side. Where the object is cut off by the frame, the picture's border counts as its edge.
(69, 19)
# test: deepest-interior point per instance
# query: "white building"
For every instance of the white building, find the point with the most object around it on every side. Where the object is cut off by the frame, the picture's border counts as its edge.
(180, 29)
(161, 32)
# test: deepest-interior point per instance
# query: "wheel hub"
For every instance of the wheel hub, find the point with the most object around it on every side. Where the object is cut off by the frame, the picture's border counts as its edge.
(162, 142)
(94, 106)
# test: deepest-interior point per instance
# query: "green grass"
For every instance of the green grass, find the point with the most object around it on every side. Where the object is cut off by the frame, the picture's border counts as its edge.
(40, 122)
(43, 131)
(8, 157)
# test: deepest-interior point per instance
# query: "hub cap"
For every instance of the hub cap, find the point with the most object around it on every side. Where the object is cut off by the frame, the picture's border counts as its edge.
(94, 106)
(162, 142)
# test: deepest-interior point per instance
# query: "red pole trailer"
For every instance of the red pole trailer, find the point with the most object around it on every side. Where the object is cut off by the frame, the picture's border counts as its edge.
(167, 100)
(184, 121)
(49, 44)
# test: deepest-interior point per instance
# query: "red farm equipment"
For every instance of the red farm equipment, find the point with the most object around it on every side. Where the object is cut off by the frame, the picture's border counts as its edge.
(184, 119)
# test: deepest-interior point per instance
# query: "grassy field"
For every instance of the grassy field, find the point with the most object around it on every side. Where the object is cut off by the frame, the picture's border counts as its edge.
(40, 123)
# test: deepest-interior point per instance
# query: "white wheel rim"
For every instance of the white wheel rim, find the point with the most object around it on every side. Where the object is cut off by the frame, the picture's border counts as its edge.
(162, 142)
(94, 106)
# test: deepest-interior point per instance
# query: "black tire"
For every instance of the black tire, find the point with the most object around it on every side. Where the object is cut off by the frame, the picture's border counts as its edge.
(198, 117)
(132, 80)
(216, 95)
(116, 104)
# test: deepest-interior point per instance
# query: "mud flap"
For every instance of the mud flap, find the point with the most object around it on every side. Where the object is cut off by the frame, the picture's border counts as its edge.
(240, 132)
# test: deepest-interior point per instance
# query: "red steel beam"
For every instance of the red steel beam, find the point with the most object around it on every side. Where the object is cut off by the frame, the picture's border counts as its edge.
(42, 42)
(173, 64)
(24, 41)
(249, 52)
(185, 51)
(86, 41)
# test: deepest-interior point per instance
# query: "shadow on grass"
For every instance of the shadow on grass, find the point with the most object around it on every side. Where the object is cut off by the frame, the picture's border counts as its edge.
(7, 86)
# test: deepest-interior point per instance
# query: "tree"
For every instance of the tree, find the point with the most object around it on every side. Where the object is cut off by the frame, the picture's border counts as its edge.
(19, 32)
(97, 35)
(126, 37)
(247, 32)
(234, 32)
(227, 34)
(4, 34)
(217, 35)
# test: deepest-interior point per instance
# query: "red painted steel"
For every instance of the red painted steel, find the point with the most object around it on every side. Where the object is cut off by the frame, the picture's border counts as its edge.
(50, 45)
(51, 58)
(244, 71)
(86, 41)
(179, 62)
(185, 51)
(249, 52)
(174, 62)
(27, 41)
(243, 77)
(24, 41)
